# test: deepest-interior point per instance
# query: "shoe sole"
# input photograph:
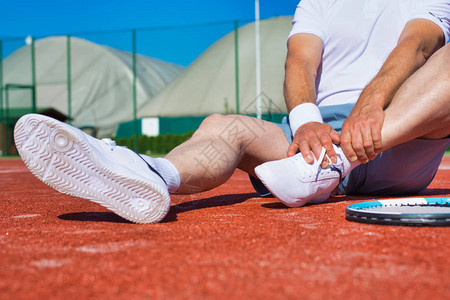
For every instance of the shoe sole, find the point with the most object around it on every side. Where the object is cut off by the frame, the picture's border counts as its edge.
(62, 158)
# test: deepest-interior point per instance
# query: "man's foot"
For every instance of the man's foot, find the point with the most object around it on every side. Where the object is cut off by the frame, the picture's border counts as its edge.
(295, 182)
(74, 163)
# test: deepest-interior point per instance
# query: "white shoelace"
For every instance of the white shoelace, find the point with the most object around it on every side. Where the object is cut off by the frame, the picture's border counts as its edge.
(314, 169)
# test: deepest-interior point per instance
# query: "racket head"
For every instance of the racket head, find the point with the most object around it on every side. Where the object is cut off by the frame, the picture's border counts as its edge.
(432, 211)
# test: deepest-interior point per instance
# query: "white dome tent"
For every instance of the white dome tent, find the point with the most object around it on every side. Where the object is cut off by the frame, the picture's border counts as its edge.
(208, 85)
(101, 80)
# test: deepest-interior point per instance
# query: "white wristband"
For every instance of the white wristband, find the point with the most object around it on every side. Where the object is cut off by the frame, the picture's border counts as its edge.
(302, 114)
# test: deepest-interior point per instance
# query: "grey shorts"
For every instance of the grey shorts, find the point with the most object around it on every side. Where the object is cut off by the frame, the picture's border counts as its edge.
(402, 170)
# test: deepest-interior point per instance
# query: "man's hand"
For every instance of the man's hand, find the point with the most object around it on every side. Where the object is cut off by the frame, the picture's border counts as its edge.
(310, 138)
(361, 133)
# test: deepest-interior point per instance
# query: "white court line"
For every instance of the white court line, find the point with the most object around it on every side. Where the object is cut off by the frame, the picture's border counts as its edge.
(21, 170)
(51, 263)
(27, 216)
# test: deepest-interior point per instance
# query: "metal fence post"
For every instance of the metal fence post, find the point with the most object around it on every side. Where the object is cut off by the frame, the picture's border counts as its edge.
(69, 80)
(33, 75)
(258, 61)
(6, 123)
(135, 121)
(236, 63)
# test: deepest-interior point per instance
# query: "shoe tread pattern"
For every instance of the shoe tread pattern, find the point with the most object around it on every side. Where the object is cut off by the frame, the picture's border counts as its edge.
(73, 169)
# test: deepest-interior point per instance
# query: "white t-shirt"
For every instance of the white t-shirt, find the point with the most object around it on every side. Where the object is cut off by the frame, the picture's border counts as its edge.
(358, 36)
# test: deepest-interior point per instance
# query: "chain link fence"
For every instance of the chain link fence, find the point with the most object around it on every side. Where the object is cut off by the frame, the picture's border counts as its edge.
(89, 78)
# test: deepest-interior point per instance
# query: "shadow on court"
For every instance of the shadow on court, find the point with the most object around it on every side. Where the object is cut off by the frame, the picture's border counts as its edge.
(216, 201)
(93, 217)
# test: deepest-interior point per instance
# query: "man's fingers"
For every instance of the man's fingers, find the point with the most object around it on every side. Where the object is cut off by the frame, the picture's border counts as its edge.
(311, 138)
(328, 145)
(306, 151)
(369, 149)
(358, 146)
(361, 134)
(377, 143)
(316, 146)
(292, 149)
(346, 146)
(335, 137)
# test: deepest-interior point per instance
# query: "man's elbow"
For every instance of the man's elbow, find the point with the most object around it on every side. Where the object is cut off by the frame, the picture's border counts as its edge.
(423, 48)
(427, 48)
(422, 36)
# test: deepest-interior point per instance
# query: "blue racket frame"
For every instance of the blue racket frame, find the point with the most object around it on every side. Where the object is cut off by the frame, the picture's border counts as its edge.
(365, 212)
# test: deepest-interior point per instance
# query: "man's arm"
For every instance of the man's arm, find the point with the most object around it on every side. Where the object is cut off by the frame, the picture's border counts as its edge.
(361, 132)
(303, 59)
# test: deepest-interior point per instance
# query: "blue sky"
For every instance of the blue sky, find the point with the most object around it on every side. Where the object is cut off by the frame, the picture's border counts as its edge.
(44, 18)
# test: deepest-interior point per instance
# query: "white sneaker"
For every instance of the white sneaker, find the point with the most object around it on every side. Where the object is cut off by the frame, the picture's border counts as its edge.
(295, 182)
(74, 163)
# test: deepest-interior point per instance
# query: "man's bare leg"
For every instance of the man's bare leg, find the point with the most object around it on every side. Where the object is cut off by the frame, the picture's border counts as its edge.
(222, 144)
(75, 163)
(421, 107)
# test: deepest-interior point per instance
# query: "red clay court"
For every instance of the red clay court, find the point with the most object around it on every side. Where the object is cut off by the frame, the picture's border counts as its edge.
(222, 244)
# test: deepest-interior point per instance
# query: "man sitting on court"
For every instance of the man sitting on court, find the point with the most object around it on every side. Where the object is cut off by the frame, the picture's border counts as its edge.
(358, 67)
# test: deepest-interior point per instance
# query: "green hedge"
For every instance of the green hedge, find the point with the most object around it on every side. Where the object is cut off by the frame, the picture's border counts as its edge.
(160, 144)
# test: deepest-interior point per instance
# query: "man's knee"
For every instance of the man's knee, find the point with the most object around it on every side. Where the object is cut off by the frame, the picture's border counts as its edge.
(216, 124)
(213, 120)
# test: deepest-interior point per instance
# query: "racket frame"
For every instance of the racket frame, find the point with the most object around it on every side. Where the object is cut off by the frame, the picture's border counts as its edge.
(359, 212)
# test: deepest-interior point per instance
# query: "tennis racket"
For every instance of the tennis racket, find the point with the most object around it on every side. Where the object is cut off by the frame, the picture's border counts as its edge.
(433, 211)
